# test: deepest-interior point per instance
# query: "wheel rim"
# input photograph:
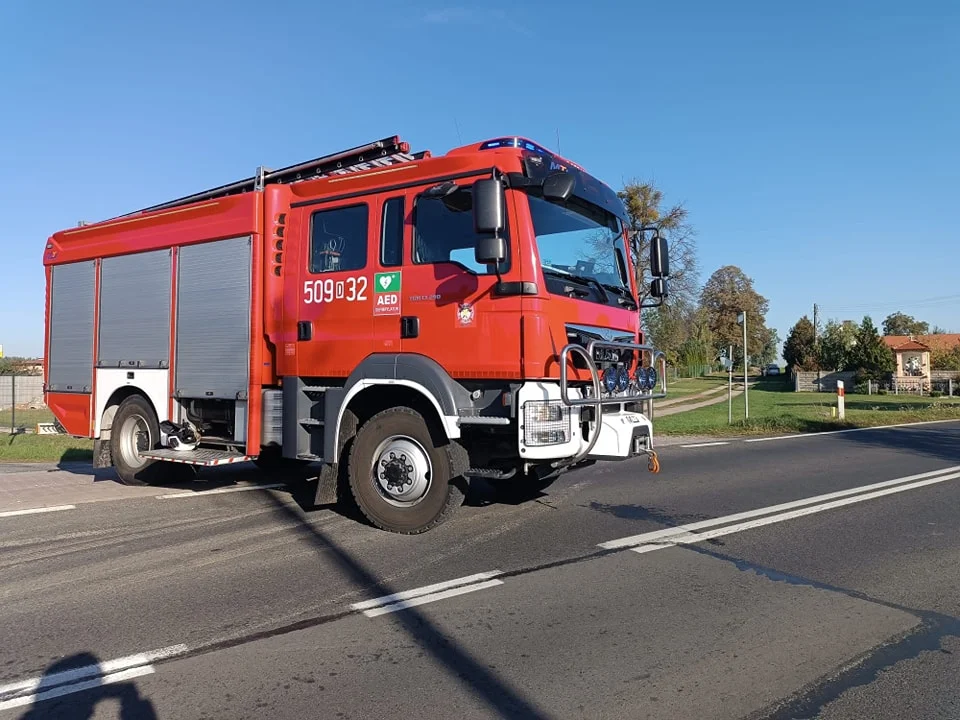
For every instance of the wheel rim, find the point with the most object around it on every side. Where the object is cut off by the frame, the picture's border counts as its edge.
(402, 471)
(134, 439)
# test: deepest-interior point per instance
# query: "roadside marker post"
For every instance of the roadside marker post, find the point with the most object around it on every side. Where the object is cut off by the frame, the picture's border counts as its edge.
(840, 397)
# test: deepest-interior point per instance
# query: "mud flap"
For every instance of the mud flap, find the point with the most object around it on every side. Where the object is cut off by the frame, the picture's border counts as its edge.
(101, 454)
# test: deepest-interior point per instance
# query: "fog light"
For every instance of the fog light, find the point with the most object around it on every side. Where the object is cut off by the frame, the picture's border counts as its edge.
(623, 379)
(610, 379)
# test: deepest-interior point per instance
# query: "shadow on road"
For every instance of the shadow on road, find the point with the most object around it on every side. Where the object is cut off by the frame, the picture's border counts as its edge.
(72, 688)
(937, 441)
(506, 700)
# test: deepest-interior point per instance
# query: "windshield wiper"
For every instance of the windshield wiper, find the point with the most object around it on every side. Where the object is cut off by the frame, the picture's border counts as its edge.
(582, 279)
(625, 297)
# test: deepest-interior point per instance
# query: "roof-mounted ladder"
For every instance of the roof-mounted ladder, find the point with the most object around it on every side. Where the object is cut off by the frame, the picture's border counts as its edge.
(380, 153)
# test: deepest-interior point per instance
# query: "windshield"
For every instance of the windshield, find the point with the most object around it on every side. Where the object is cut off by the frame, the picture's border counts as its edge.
(578, 238)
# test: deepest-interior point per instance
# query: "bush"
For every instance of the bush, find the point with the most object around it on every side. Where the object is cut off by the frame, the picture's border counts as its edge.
(936, 393)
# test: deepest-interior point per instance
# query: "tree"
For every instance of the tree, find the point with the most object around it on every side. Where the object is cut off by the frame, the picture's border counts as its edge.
(725, 295)
(6, 366)
(799, 350)
(937, 330)
(945, 358)
(769, 352)
(836, 344)
(643, 202)
(899, 324)
(870, 357)
(668, 326)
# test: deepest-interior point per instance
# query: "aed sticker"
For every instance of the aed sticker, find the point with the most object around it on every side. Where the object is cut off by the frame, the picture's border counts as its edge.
(386, 293)
(465, 314)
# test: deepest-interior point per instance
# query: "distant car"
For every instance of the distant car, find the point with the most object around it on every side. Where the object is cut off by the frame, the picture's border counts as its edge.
(771, 369)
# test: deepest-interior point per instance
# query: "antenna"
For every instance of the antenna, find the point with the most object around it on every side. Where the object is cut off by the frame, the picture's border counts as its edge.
(459, 139)
(558, 142)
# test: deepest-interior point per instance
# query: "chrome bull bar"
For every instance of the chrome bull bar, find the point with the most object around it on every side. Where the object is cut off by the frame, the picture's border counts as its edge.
(597, 401)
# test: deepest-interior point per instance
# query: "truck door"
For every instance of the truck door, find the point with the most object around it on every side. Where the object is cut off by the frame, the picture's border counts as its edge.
(335, 327)
(450, 311)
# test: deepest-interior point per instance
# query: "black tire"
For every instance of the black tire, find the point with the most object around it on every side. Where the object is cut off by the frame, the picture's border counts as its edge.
(136, 416)
(440, 498)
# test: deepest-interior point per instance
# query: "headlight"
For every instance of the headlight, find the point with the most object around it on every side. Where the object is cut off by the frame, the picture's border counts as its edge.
(546, 422)
(623, 379)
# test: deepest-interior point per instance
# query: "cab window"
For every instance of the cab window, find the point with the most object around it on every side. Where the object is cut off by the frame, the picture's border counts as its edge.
(391, 233)
(338, 239)
(443, 232)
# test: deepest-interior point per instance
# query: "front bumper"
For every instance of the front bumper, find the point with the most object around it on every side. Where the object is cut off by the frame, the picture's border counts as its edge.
(568, 424)
(622, 433)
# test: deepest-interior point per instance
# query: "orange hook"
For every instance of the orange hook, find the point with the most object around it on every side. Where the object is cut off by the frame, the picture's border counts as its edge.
(653, 462)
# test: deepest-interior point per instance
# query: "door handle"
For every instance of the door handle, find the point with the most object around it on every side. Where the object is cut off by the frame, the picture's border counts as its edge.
(409, 327)
(305, 330)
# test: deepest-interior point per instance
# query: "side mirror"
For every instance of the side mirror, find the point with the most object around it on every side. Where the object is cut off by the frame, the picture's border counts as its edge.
(558, 186)
(490, 250)
(659, 258)
(658, 288)
(488, 204)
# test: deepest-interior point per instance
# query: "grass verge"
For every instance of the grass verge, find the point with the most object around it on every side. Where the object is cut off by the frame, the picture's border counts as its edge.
(776, 409)
(25, 418)
(44, 448)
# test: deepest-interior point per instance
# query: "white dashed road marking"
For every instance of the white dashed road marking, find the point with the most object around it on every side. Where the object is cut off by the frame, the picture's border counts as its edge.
(702, 445)
(685, 533)
(218, 491)
(34, 511)
(46, 687)
(427, 594)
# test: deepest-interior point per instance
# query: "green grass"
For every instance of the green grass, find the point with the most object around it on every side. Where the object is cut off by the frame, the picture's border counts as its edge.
(25, 418)
(44, 448)
(775, 408)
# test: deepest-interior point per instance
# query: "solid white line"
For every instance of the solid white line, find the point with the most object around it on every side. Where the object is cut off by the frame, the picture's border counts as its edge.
(849, 430)
(90, 671)
(709, 444)
(681, 529)
(423, 599)
(77, 687)
(34, 511)
(218, 491)
(690, 538)
(425, 590)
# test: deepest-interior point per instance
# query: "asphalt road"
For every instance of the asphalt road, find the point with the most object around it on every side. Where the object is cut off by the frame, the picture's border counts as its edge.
(812, 577)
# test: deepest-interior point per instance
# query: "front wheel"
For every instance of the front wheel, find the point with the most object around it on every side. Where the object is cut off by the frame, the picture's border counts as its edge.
(399, 477)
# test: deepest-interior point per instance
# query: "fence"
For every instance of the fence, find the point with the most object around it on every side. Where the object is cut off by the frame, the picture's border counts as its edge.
(20, 389)
(823, 381)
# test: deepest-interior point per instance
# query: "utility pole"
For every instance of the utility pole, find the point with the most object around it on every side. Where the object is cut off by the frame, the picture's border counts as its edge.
(742, 318)
(816, 332)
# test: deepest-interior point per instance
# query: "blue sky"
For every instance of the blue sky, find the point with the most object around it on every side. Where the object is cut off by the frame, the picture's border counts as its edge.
(814, 144)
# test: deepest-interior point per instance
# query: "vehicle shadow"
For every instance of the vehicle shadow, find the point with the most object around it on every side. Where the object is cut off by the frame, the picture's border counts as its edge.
(495, 692)
(72, 688)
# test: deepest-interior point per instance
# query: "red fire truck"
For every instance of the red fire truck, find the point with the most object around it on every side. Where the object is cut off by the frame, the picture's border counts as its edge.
(404, 320)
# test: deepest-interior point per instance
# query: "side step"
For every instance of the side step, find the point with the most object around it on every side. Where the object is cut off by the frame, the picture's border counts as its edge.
(202, 456)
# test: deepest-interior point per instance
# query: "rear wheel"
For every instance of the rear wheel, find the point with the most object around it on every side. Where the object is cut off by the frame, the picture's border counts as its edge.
(135, 429)
(399, 477)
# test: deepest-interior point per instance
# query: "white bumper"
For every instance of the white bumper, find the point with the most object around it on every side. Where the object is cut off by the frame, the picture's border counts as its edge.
(622, 433)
